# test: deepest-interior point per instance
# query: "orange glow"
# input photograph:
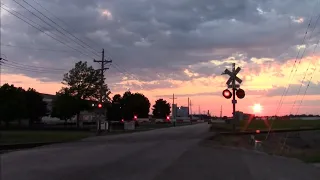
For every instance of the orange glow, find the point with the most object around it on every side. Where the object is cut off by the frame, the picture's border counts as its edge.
(205, 91)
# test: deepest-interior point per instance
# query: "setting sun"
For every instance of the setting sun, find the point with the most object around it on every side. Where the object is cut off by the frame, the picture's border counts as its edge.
(257, 108)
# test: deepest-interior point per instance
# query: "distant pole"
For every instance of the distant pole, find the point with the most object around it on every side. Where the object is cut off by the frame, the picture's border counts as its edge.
(173, 110)
(173, 98)
(199, 110)
(102, 90)
(221, 112)
(188, 106)
(1, 61)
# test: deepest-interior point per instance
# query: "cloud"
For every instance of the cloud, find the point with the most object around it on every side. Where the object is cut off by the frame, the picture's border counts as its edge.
(161, 41)
(295, 90)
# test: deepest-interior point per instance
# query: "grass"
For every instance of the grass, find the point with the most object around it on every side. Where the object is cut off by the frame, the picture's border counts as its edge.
(17, 137)
(277, 124)
(25, 136)
(304, 147)
(283, 124)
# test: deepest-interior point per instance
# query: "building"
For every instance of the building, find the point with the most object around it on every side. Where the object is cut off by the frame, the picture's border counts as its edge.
(174, 110)
(182, 111)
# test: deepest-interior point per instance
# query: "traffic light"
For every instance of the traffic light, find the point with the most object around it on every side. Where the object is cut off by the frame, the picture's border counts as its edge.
(135, 117)
(240, 93)
(99, 105)
(227, 94)
(168, 118)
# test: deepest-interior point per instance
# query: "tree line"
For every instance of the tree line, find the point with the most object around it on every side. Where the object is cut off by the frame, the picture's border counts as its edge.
(17, 104)
(81, 89)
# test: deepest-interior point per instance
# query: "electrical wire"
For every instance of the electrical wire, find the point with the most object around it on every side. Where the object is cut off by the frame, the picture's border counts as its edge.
(55, 23)
(37, 49)
(41, 19)
(39, 28)
(34, 67)
(286, 89)
(12, 66)
(59, 19)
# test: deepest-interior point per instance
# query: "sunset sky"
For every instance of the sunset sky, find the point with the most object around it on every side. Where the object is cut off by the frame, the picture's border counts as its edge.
(161, 47)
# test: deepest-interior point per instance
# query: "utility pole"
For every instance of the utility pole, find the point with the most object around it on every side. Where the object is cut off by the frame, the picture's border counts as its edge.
(173, 110)
(188, 106)
(1, 62)
(103, 92)
(173, 98)
(221, 112)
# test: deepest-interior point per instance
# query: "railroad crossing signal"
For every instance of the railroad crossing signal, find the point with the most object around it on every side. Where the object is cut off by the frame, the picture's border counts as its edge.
(227, 94)
(233, 76)
(99, 105)
(236, 91)
(240, 93)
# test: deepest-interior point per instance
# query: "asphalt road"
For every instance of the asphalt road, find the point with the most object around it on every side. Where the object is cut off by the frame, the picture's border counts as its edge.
(162, 154)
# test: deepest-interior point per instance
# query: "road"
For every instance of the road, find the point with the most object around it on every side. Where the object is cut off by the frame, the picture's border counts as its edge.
(162, 154)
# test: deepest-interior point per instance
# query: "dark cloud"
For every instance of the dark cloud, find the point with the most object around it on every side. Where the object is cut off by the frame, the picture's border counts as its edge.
(155, 39)
(293, 90)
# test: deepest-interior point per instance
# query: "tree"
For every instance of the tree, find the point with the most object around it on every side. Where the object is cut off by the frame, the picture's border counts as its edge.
(12, 104)
(84, 83)
(35, 106)
(64, 106)
(161, 109)
(115, 110)
(134, 104)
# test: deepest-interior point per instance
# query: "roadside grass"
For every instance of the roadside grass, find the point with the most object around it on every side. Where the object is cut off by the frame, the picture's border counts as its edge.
(283, 124)
(260, 125)
(21, 137)
(305, 146)
(47, 136)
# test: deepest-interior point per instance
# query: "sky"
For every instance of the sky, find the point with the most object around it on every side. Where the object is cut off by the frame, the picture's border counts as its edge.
(161, 47)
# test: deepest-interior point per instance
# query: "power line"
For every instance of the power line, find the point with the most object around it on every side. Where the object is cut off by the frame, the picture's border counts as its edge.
(94, 51)
(38, 28)
(41, 19)
(296, 67)
(37, 49)
(12, 66)
(59, 19)
(286, 89)
(34, 67)
(312, 74)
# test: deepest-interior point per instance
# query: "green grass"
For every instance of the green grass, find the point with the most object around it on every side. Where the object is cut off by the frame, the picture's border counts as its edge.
(310, 158)
(283, 124)
(17, 137)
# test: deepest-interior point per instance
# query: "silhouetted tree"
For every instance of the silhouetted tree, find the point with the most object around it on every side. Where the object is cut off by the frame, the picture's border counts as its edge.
(161, 109)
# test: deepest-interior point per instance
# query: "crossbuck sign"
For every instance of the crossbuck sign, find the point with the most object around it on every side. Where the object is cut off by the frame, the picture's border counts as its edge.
(233, 77)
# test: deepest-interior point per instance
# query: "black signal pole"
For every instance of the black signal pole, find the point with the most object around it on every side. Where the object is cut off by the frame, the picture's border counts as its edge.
(234, 97)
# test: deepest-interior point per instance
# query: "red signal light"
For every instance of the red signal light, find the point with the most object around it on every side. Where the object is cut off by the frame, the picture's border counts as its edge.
(168, 118)
(135, 117)
(99, 105)
(240, 93)
(227, 94)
